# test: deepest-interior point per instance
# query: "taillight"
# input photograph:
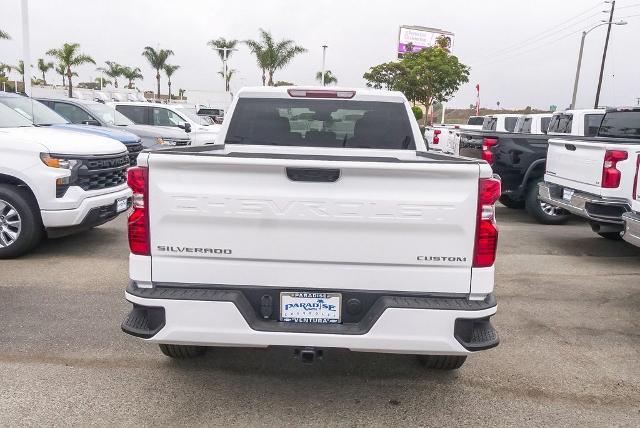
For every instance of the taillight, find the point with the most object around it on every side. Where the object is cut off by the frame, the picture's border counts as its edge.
(484, 253)
(635, 195)
(139, 242)
(487, 143)
(436, 139)
(610, 174)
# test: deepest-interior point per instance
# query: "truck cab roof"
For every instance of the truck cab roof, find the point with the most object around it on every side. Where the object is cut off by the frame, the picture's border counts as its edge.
(347, 93)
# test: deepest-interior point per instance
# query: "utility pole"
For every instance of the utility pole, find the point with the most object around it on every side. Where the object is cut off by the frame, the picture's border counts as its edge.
(324, 58)
(26, 48)
(225, 69)
(604, 53)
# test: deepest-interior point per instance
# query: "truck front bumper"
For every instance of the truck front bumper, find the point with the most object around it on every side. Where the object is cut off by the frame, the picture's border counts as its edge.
(632, 228)
(93, 211)
(591, 207)
(186, 315)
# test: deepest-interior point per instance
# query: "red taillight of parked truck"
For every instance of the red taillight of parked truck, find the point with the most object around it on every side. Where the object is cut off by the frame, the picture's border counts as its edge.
(610, 173)
(486, 245)
(436, 136)
(635, 195)
(139, 242)
(487, 154)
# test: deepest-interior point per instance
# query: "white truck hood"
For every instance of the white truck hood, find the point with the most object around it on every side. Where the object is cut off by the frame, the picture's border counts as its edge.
(65, 141)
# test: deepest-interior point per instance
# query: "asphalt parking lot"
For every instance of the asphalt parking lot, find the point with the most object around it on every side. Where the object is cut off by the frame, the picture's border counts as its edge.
(570, 354)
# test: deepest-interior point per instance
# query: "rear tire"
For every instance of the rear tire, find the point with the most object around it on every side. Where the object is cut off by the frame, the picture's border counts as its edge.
(182, 351)
(613, 236)
(442, 362)
(20, 222)
(541, 211)
(512, 203)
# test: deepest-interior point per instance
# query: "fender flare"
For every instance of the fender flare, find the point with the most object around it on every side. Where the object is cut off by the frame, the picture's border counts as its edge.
(523, 185)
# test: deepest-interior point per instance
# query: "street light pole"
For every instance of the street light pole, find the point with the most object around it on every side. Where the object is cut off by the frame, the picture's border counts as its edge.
(26, 48)
(225, 69)
(604, 54)
(324, 58)
(578, 68)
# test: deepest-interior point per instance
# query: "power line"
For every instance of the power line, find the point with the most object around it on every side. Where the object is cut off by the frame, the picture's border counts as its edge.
(539, 39)
(545, 33)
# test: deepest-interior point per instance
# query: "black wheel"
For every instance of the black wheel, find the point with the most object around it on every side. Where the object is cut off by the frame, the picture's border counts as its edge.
(511, 203)
(442, 362)
(182, 351)
(614, 236)
(543, 212)
(20, 223)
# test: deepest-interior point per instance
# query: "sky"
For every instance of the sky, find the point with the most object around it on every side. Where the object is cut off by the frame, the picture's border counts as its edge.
(522, 53)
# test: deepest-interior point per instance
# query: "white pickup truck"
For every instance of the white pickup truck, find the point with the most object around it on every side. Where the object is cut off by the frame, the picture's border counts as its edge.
(345, 233)
(578, 123)
(632, 219)
(595, 178)
(533, 124)
(55, 181)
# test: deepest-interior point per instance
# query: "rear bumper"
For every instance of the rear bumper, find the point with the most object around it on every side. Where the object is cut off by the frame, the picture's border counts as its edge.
(632, 228)
(591, 207)
(393, 324)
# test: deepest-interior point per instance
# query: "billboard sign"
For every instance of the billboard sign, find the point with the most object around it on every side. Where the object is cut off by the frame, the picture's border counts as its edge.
(417, 38)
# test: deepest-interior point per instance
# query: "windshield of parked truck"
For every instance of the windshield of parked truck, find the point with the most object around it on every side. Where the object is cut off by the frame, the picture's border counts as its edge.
(620, 124)
(34, 111)
(489, 123)
(592, 124)
(109, 115)
(475, 120)
(10, 119)
(321, 123)
(192, 114)
(510, 123)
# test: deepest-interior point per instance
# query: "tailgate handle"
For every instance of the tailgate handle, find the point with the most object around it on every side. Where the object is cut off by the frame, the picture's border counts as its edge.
(570, 147)
(314, 175)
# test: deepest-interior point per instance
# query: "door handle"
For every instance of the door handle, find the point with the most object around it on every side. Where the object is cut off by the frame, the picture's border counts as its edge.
(570, 147)
(313, 175)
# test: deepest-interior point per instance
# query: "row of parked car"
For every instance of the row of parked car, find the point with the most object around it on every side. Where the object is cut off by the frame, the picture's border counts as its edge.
(63, 162)
(582, 162)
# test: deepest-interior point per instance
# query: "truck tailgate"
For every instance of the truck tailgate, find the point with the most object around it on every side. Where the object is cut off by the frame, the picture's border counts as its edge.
(239, 219)
(576, 163)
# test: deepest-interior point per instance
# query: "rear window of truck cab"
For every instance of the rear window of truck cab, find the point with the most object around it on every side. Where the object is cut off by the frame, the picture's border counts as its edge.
(620, 124)
(321, 123)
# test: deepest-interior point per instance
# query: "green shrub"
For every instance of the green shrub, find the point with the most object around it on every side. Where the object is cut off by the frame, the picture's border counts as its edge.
(417, 112)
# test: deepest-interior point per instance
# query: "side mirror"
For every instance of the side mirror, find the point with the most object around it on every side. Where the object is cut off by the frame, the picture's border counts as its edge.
(186, 126)
(91, 122)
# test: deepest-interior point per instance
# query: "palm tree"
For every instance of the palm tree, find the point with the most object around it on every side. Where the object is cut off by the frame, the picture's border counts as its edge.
(44, 67)
(271, 55)
(4, 68)
(131, 74)
(102, 82)
(4, 35)
(169, 70)
(157, 59)
(225, 49)
(20, 69)
(329, 77)
(69, 57)
(227, 78)
(181, 93)
(113, 70)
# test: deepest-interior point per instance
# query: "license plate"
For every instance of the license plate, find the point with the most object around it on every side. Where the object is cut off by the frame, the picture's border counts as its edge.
(567, 194)
(121, 204)
(307, 307)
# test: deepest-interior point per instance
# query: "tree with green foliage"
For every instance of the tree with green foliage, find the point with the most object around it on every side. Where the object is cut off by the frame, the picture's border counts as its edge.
(228, 77)
(385, 75)
(417, 112)
(4, 35)
(222, 45)
(428, 76)
(157, 59)
(169, 70)
(271, 55)
(131, 74)
(112, 70)
(44, 67)
(101, 82)
(69, 57)
(20, 69)
(283, 83)
(329, 77)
